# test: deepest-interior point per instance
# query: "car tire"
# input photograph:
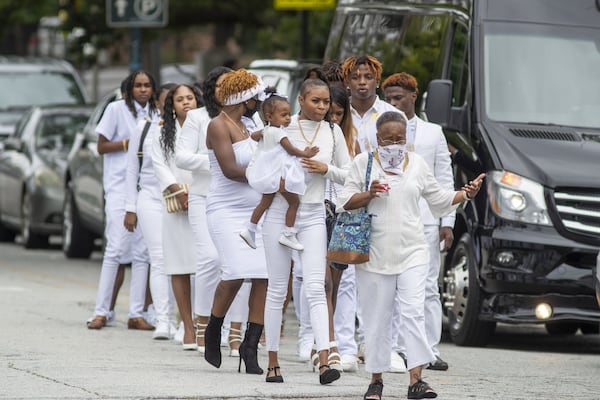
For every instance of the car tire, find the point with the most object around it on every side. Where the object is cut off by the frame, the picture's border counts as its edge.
(561, 327)
(77, 241)
(461, 298)
(31, 240)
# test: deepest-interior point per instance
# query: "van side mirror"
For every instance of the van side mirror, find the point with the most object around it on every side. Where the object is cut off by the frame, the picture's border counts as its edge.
(439, 102)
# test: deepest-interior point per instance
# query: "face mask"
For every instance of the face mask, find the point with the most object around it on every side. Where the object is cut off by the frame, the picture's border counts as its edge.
(391, 157)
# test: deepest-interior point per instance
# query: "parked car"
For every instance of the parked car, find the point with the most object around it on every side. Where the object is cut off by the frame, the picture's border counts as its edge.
(597, 279)
(83, 206)
(35, 81)
(285, 75)
(32, 164)
(525, 248)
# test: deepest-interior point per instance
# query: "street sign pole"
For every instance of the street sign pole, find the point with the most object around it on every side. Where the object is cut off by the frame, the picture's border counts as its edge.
(135, 49)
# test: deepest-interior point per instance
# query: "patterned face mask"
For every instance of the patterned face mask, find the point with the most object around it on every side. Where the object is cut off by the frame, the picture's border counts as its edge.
(391, 157)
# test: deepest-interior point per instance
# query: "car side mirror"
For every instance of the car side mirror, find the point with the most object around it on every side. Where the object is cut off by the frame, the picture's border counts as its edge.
(13, 143)
(439, 102)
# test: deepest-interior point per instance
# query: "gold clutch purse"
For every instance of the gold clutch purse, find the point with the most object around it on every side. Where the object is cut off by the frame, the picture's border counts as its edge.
(172, 204)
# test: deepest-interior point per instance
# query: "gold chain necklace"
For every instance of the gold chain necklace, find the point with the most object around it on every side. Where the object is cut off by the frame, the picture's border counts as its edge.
(310, 142)
(243, 130)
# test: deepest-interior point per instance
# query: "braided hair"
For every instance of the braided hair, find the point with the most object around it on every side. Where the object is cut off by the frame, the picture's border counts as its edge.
(169, 128)
(129, 92)
(212, 104)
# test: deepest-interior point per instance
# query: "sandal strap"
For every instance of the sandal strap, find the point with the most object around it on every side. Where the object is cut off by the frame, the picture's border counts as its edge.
(374, 391)
(420, 387)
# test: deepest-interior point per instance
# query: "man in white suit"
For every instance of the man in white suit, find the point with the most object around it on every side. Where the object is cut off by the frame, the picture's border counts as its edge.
(427, 140)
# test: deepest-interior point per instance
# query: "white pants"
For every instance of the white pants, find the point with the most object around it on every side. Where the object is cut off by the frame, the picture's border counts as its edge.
(433, 305)
(150, 214)
(208, 272)
(305, 332)
(310, 222)
(344, 318)
(376, 296)
(122, 247)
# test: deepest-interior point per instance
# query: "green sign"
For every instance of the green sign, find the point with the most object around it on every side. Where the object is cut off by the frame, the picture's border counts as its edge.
(304, 4)
(137, 13)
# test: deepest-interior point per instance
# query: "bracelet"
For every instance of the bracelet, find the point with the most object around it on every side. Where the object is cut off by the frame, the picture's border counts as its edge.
(174, 193)
(124, 145)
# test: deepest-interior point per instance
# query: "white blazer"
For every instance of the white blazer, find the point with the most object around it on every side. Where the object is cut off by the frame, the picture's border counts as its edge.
(430, 143)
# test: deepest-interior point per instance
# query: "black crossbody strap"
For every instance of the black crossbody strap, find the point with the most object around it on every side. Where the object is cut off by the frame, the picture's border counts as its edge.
(140, 152)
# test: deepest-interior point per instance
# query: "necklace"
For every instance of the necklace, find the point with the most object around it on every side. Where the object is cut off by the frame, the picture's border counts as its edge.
(243, 130)
(311, 141)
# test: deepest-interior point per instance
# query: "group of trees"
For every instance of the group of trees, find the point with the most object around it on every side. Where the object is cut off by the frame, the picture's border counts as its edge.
(254, 24)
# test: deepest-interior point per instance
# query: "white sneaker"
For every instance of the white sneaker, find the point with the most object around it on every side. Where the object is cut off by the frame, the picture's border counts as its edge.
(178, 333)
(161, 332)
(396, 363)
(349, 362)
(291, 242)
(249, 237)
(304, 348)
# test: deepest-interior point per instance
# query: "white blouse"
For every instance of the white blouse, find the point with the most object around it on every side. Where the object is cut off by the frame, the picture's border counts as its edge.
(397, 239)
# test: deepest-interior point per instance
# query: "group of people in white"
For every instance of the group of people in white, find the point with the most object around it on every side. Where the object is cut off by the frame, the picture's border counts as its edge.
(254, 214)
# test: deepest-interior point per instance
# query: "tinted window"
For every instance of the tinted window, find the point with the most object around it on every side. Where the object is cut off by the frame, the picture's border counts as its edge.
(459, 64)
(410, 43)
(57, 131)
(24, 89)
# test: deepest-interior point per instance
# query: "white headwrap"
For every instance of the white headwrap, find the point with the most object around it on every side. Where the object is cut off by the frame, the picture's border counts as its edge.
(257, 90)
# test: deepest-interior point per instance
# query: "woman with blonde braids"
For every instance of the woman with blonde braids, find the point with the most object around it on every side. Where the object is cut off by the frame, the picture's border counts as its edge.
(230, 203)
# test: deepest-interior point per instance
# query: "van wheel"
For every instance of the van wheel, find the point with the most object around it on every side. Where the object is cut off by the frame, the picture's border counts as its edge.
(77, 242)
(561, 328)
(31, 240)
(461, 298)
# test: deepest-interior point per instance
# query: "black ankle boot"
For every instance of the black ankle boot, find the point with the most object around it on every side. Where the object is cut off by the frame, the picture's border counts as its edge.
(249, 349)
(212, 341)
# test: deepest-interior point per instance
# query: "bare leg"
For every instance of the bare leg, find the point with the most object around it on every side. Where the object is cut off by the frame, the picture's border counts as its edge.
(118, 283)
(235, 335)
(182, 292)
(224, 295)
(293, 201)
(259, 210)
(415, 374)
(148, 300)
(256, 302)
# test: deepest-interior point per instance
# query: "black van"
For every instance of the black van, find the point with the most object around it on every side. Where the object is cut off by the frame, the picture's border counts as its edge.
(516, 86)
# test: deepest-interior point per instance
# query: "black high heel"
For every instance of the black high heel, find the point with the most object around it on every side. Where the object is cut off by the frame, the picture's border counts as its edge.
(276, 378)
(212, 341)
(249, 349)
(329, 375)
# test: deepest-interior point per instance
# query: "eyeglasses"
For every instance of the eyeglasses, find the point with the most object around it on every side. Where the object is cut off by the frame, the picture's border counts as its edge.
(386, 142)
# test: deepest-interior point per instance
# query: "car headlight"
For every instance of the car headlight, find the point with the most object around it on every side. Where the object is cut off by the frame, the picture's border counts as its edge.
(516, 198)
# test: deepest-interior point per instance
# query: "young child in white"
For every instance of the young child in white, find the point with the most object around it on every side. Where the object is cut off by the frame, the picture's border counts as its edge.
(276, 168)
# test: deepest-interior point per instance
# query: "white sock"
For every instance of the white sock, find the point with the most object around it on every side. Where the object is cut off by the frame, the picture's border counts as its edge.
(251, 227)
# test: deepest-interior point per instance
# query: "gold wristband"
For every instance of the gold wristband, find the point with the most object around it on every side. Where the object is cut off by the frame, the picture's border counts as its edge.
(124, 145)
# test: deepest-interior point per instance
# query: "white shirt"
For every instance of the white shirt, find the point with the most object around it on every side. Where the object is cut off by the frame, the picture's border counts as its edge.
(143, 177)
(315, 186)
(365, 125)
(117, 124)
(397, 240)
(166, 171)
(191, 152)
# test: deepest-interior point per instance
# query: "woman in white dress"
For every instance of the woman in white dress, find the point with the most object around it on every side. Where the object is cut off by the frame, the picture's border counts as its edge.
(177, 236)
(307, 129)
(230, 203)
(398, 256)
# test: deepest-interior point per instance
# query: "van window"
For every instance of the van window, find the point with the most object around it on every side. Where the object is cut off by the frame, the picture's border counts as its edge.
(459, 64)
(401, 42)
(26, 89)
(546, 74)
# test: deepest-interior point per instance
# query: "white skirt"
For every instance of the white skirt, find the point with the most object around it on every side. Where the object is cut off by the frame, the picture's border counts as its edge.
(269, 167)
(178, 244)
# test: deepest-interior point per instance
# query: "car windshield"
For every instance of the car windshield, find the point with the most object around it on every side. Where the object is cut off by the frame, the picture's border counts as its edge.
(26, 89)
(542, 74)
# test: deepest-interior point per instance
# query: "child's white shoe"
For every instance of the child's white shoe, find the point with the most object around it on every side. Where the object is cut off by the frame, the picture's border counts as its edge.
(290, 241)
(249, 237)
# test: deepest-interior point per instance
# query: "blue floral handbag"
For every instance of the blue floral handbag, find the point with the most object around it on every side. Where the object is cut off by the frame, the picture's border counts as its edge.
(349, 242)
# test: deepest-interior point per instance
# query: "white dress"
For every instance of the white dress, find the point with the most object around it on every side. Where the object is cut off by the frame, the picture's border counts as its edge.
(271, 163)
(229, 205)
(177, 236)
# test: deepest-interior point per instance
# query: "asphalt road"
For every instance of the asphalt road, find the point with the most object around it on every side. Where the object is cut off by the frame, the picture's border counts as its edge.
(46, 352)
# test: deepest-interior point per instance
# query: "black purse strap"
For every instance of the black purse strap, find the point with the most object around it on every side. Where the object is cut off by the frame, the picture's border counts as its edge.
(140, 152)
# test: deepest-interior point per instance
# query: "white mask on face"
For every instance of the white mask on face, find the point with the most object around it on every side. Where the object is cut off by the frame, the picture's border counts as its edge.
(391, 157)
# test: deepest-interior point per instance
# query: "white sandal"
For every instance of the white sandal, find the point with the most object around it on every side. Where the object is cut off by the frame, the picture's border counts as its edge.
(235, 336)
(314, 359)
(334, 359)
(200, 328)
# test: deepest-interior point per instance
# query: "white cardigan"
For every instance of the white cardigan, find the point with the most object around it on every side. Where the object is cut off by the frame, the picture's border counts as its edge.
(397, 239)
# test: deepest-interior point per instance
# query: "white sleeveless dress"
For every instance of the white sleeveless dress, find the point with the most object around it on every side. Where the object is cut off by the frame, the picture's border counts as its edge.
(229, 205)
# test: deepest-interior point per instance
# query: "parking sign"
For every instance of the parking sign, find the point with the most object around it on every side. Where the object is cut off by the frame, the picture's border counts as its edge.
(137, 13)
